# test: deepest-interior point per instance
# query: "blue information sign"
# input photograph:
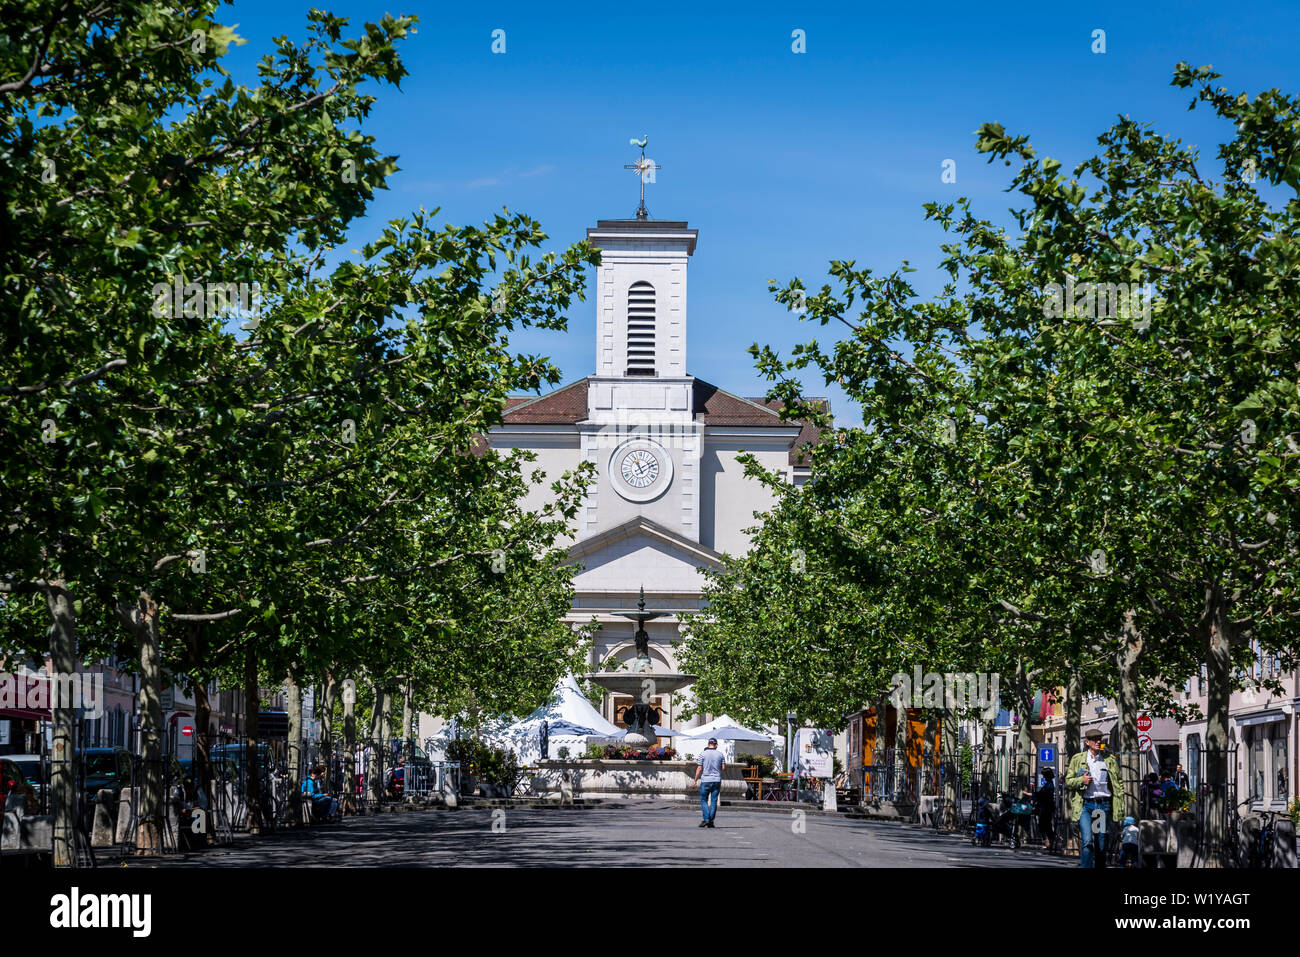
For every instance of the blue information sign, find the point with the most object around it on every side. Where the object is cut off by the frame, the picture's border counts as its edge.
(1047, 755)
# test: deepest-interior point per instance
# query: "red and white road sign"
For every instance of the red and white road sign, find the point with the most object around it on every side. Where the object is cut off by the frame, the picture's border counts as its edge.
(187, 730)
(1144, 742)
(1144, 722)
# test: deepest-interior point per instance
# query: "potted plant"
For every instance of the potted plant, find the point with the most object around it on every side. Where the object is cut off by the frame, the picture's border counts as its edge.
(1176, 802)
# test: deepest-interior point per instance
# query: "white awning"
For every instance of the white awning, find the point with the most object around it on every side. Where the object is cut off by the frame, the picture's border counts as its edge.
(1263, 717)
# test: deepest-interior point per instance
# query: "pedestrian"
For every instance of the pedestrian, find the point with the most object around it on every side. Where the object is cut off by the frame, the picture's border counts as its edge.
(1150, 795)
(1096, 798)
(708, 776)
(323, 806)
(1128, 854)
(1180, 777)
(1167, 783)
(1045, 807)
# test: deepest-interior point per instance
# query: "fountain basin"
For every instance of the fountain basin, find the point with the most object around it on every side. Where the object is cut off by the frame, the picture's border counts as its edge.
(614, 779)
(634, 682)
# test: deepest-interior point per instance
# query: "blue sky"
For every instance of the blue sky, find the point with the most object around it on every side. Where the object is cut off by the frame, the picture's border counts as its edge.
(783, 161)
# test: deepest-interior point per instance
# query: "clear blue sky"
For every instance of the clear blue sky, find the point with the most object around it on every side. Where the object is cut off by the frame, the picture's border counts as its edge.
(783, 161)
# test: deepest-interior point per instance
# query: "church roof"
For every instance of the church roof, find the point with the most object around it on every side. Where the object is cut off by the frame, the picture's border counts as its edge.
(642, 526)
(809, 434)
(567, 405)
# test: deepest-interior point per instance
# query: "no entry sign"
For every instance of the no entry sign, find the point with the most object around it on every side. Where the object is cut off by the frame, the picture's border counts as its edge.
(187, 730)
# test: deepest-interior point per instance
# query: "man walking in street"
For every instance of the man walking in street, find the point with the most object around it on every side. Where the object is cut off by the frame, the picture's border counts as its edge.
(708, 776)
(1096, 796)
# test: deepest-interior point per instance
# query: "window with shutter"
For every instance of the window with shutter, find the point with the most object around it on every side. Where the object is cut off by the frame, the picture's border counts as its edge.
(641, 329)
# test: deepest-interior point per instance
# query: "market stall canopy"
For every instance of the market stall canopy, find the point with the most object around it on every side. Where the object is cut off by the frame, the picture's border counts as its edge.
(572, 722)
(736, 733)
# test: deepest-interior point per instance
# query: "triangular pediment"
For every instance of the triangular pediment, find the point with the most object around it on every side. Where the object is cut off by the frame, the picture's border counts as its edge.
(641, 552)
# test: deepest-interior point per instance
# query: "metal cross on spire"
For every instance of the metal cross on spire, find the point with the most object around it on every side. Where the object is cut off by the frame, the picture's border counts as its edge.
(644, 168)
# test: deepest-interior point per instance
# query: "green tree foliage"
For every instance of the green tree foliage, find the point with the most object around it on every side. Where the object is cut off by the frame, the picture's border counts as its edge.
(292, 484)
(1092, 496)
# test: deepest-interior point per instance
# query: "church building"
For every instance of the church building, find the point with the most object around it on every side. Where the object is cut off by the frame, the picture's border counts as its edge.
(670, 496)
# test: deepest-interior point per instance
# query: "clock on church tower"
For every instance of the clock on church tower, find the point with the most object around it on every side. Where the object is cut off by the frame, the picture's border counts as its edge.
(640, 470)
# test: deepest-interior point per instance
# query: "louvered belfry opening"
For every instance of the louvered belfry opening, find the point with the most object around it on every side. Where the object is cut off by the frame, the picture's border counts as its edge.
(641, 329)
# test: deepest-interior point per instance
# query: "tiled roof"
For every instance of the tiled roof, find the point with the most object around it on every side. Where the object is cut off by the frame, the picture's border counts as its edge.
(715, 407)
(809, 434)
(565, 406)
(568, 406)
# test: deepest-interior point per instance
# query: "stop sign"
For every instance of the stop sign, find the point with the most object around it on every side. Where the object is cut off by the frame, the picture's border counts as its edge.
(1144, 723)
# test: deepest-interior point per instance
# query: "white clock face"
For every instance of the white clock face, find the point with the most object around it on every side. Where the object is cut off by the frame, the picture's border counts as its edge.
(640, 468)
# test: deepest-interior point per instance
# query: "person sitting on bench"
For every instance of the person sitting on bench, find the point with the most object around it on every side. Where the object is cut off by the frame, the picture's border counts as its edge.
(323, 806)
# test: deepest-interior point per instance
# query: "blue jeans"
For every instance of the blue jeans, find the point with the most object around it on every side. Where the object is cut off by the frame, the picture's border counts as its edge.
(1085, 831)
(709, 791)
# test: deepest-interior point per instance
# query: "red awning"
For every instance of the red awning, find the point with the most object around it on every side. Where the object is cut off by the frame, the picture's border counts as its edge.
(25, 714)
(25, 689)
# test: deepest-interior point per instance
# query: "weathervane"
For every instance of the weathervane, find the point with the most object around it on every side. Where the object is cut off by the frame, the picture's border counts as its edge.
(644, 168)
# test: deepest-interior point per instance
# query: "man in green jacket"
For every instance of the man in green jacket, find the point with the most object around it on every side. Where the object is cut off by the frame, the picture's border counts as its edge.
(1096, 796)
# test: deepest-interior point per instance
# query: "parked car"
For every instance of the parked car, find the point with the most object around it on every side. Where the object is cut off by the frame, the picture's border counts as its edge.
(13, 781)
(35, 769)
(228, 763)
(104, 769)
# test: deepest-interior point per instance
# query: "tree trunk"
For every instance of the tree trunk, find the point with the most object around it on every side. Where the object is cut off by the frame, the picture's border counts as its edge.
(196, 640)
(1024, 767)
(900, 789)
(252, 770)
(1132, 647)
(349, 750)
(928, 769)
(1219, 637)
(379, 754)
(324, 706)
(148, 834)
(408, 717)
(877, 782)
(63, 661)
(951, 769)
(295, 752)
(1073, 717)
(988, 759)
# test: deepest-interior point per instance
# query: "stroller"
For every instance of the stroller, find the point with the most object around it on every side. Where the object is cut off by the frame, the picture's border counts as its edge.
(985, 820)
(1014, 816)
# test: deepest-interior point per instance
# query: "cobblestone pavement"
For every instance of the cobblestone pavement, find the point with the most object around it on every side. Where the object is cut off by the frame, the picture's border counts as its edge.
(643, 833)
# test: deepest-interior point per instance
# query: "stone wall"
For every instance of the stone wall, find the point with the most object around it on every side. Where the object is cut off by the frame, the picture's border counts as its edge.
(613, 779)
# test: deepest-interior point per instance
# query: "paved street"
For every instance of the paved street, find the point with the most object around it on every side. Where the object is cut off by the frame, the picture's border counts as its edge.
(659, 835)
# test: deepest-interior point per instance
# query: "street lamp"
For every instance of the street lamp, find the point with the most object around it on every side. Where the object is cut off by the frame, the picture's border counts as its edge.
(790, 718)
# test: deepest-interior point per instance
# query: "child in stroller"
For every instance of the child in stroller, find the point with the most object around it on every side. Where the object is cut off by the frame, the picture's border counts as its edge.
(1006, 819)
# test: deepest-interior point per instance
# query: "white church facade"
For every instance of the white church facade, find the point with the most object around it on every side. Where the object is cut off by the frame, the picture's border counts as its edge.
(670, 496)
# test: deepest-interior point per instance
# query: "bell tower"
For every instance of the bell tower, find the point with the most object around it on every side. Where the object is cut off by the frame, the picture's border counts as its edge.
(641, 318)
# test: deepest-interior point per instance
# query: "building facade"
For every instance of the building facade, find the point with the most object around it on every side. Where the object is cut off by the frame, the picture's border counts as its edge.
(670, 497)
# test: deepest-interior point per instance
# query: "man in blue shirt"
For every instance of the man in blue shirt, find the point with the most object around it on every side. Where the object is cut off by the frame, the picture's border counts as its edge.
(708, 776)
(324, 807)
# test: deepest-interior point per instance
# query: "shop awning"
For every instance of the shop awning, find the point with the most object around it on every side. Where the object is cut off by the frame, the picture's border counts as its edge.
(1263, 717)
(24, 714)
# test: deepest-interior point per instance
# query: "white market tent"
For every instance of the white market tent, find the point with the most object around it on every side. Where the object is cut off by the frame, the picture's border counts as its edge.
(761, 742)
(573, 722)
